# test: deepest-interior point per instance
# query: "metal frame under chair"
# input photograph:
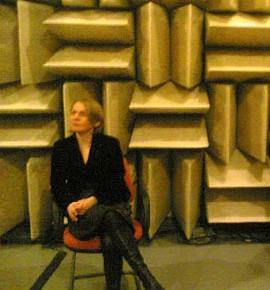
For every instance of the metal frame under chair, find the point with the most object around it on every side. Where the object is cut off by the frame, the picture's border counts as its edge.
(93, 245)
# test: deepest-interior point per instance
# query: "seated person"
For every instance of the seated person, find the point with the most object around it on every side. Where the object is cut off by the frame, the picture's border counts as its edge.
(87, 181)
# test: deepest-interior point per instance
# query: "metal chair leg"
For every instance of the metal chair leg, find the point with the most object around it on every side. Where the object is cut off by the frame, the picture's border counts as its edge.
(73, 277)
(137, 281)
(72, 274)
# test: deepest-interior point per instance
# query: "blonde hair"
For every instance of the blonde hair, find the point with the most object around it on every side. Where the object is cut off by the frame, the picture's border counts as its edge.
(94, 110)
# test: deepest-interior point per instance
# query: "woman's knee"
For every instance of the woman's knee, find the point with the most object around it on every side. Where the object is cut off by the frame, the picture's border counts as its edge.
(113, 220)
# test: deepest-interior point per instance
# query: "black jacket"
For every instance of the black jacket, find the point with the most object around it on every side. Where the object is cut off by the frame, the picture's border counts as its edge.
(103, 174)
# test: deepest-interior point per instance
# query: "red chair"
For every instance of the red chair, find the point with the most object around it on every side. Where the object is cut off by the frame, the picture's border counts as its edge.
(93, 245)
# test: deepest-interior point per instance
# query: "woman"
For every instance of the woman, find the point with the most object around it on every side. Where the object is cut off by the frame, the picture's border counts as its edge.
(87, 181)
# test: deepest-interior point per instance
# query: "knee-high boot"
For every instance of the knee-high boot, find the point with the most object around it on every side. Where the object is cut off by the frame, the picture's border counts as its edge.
(113, 264)
(122, 235)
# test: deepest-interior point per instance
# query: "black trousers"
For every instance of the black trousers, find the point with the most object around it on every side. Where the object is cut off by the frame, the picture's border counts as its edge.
(98, 221)
(92, 222)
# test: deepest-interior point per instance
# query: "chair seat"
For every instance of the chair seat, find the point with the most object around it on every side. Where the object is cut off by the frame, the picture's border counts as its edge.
(93, 244)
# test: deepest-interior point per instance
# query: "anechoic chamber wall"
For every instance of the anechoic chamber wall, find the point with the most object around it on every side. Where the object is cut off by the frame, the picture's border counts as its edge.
(184, 86)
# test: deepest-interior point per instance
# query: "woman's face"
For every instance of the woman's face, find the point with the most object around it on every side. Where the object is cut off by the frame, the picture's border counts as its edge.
(79, 120)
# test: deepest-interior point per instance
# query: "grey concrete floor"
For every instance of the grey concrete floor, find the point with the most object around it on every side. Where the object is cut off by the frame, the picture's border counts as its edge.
(178, 266)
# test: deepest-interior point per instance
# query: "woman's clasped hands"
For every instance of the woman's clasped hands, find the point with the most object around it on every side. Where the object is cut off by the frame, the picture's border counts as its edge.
(80, 207)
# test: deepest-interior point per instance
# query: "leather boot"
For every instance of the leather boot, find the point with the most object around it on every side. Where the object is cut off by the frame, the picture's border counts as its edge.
(113, 264)
(123, 239)
(130, 251)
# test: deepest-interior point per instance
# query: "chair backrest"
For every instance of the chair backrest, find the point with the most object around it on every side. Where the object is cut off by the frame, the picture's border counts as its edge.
(129, 179)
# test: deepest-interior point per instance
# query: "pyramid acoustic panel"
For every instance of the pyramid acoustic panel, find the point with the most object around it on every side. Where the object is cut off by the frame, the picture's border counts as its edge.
(28, 132)
(30, 99)
(238, 205)
(9, 52)
(186, 188)
(55, 3)
(238, 65)
(171, 132)
(187, 46)
(137, 3)
(79, 3)
(155, 188)
(176, 3)
(221, 121)
(72, 91)
(241, 172)
(176, 79)
(254, 6)
(92, 26)
(12, 188)
(222, 5)
(35, 42)
(239, 30)
(91, 61)
(153, 44)
(39, 196)
(169, 99)
(123, 4)
(253, 120)
(118, 119)
(237, 192)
